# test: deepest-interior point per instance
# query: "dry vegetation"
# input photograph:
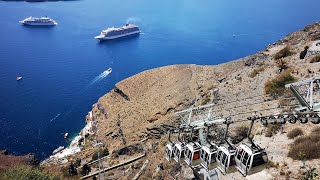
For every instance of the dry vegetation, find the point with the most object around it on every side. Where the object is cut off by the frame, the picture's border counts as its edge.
(315, 59)
(308, 145)
(295, 133)
(26, 173)
(285, 52)
(272, 129)
(276, 86)
(255, 72)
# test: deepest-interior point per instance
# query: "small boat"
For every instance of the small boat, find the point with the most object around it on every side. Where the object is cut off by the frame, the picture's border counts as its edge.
(60, 148)
(109, 70)
(66, 135)
(19, 78)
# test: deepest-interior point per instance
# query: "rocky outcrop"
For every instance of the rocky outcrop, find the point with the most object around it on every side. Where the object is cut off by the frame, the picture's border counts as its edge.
(8, 161)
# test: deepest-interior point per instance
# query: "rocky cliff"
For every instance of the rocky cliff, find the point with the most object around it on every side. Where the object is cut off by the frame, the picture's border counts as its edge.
(133, 117)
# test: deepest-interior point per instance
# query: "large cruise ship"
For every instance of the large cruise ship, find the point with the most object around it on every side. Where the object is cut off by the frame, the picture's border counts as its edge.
(42, 21)
(113, 33)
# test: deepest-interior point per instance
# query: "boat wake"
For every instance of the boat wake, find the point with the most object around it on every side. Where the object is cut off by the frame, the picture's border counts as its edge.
(101, 76)
(55, 117)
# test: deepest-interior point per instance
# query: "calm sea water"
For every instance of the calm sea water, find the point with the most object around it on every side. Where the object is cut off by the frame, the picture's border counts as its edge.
(61, 65)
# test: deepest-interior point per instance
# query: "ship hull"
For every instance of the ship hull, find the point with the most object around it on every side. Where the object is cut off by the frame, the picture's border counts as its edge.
(38, 24)
(118, 36)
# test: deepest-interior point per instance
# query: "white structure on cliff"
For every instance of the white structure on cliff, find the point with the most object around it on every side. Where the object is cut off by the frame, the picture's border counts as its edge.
(314, 49)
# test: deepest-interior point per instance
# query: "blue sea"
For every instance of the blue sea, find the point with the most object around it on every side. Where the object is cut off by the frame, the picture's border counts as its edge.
(62, 66)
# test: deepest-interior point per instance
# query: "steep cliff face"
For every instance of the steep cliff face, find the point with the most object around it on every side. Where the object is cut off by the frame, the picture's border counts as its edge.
(144, 102)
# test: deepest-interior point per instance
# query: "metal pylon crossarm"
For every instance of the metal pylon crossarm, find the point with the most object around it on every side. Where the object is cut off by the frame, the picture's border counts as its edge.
(307, 99)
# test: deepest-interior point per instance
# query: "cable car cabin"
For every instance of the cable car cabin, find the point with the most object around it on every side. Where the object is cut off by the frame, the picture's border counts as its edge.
(208, 156)
(250, 159)
(192, 154)
(169, 151)
(178, 151)
(226, 160)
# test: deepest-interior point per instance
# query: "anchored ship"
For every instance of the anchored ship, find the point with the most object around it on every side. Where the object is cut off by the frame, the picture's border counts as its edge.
(60, 148)
(113, 33)
(42, 21)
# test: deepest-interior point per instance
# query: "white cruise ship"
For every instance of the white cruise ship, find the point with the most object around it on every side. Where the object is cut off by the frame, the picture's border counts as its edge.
(113, 33)
(42, 21)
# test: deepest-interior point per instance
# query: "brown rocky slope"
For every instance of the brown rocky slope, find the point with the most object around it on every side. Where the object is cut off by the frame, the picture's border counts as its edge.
(128, 113)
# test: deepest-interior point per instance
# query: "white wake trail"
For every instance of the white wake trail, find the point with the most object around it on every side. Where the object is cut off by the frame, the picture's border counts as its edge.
(55, 117)
(100, 77)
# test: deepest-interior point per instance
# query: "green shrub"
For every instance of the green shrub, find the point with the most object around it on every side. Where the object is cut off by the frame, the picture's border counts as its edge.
(26, 173)
(309, 146)
(315, 59)
(295, 133)
(304, 52)
(276, 86)
(285, 52)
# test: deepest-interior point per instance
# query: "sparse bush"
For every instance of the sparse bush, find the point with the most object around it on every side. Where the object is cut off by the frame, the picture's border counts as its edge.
(316, 130)
(205, 100)
(105, 152)
(255, 72)
(241, 132)
(295, 133)
(276, 86)
(307, 145)
(26, 173)
(310, 174)
(282, 65)
(285, 52)
(304, 52)
(272, 164)
(85, 170)
(95, 156)
(315, 59)
(272, 129)
(78, 162)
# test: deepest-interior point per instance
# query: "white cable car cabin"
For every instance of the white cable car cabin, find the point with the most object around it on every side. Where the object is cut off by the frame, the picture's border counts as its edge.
(192, 154)
(208, 155)
(250, 158)
(175, 149)
(226, 155)
(226, 160)
(178, 151)
(169, 148)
